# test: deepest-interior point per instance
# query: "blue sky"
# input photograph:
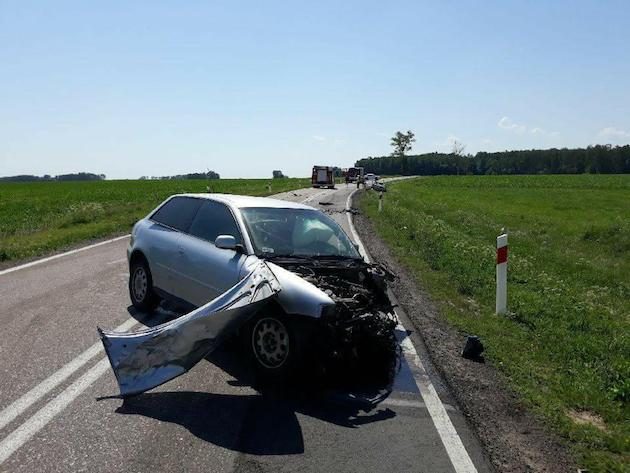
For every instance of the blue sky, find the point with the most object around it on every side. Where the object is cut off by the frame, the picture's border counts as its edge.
(157, 88)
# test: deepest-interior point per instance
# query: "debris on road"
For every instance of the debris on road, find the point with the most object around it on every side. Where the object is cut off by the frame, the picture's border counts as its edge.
(326, 203)
(473, 348)
(148, 358)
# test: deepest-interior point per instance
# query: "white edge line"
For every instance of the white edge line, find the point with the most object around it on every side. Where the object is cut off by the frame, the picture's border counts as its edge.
(17, 407)
(60, 255)
(448, 434)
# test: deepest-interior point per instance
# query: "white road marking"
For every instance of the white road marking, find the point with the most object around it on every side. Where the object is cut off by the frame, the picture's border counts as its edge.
(16, 408)
(355, 235)
(116, 261)
(409, 403)
(450, 438)
(41, 418)
(60, 255)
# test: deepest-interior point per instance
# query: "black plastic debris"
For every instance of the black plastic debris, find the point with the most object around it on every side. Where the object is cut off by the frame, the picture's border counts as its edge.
(473, 348)
(325, 203)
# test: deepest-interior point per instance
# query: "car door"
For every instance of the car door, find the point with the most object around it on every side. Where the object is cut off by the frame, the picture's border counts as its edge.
(205, 271)
(167, 224)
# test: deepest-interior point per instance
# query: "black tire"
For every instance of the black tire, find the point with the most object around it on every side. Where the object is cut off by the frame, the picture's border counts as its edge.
(141, 292)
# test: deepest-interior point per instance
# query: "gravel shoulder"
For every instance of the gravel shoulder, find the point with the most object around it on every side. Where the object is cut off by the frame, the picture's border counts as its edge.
(514, 439)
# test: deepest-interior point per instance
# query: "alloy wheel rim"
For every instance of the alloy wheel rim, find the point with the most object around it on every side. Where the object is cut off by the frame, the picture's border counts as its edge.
(270, 340)
(140, 284)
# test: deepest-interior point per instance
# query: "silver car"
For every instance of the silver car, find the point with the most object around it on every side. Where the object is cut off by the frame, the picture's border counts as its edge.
(195, 247)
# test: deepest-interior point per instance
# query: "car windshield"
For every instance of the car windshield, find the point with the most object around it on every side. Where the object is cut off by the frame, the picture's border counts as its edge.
(296, 232)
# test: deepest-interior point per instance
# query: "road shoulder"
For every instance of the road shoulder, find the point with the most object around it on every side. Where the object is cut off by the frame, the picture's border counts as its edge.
(514, 439)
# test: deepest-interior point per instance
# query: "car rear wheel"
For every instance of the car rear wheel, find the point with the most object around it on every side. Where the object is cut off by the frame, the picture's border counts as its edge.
(141, 292)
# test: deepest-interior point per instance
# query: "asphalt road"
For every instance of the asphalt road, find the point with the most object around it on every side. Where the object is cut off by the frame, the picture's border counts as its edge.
(57, 413)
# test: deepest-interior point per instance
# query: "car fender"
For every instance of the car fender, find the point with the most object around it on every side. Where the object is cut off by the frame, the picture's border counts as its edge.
(298, 296)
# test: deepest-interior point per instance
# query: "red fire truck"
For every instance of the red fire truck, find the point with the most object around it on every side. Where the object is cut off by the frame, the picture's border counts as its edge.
(323, 176)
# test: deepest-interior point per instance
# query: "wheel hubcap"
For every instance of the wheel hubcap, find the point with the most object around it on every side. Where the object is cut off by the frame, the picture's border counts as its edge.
(270, 340)
(139, 284)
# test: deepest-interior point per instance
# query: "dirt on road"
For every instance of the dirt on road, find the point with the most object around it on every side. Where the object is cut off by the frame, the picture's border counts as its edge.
(514, 439)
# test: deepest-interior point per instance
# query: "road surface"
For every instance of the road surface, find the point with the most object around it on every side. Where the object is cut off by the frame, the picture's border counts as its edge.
(57, 413)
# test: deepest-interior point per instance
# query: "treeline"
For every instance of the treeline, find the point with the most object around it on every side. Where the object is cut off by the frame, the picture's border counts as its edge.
(79, 176)
(598, 159)
(192, 175)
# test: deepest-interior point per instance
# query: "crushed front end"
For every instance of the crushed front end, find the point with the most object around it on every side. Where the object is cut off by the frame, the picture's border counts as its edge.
(356, 343)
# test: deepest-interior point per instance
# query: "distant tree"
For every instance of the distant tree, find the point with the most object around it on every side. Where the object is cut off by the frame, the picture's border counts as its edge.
(603, 159)
(402, 143)
(278, 174)
(457, 150)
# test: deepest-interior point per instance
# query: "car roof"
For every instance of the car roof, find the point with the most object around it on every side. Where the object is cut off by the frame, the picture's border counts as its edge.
(243, 201)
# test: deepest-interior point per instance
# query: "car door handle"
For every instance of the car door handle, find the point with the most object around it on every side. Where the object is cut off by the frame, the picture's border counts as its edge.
(180, 250)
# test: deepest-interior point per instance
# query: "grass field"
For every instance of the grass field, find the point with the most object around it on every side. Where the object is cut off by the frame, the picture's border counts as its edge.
(565, 344)
(39, 217)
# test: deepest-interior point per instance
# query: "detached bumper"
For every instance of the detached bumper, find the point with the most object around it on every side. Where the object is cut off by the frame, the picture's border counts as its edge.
(148, 358)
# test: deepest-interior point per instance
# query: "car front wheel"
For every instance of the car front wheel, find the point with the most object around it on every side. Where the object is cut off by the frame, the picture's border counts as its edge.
(141, 292)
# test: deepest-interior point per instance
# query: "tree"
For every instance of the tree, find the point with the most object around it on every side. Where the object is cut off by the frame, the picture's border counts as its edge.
(402, 142)
(457, 150)
(278, 175)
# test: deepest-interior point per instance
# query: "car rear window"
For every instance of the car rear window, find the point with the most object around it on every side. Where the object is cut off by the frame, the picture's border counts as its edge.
(212, 220)
(177, 213)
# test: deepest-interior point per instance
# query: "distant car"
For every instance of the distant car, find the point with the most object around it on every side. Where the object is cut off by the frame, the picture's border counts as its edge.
(195, 247)
(370, 179)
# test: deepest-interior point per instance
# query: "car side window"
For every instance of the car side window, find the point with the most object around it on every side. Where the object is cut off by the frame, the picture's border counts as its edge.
(212, 220)
(177, 213)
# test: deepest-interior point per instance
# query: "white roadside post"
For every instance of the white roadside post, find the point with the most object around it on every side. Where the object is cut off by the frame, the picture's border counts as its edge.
(502, 258)
(380, 201)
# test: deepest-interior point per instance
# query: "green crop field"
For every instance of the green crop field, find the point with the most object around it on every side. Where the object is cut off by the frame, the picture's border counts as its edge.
(39, 217)
(565, 344)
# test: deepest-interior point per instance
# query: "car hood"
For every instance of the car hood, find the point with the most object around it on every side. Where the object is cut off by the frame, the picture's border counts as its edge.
(299, 296)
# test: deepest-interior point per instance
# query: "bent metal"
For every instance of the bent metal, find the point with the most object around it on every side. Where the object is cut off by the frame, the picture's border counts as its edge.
(148, 358)
(356, 340)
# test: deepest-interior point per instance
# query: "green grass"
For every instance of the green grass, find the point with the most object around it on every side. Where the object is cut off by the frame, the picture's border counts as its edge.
(37, 218)
(565, 344)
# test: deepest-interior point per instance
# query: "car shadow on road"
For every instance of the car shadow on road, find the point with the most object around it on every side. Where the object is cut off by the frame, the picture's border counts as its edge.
(253, 424)
(265, 423)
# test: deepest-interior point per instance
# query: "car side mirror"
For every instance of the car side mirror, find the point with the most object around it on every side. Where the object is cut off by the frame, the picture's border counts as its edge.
(226, 242)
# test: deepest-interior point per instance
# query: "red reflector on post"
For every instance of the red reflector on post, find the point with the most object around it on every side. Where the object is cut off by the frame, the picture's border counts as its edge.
(502, 254)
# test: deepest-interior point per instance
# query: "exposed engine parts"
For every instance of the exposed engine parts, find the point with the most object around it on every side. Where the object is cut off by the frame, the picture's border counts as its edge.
(358, 346)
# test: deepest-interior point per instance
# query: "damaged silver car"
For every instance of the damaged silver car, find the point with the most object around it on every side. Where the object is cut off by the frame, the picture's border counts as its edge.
(283, 276)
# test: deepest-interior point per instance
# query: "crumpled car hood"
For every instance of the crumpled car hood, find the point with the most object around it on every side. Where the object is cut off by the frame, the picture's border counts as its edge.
(148, 358)
(298, 296)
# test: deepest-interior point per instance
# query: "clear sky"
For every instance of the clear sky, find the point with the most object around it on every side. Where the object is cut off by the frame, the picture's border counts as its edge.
(135, 88)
